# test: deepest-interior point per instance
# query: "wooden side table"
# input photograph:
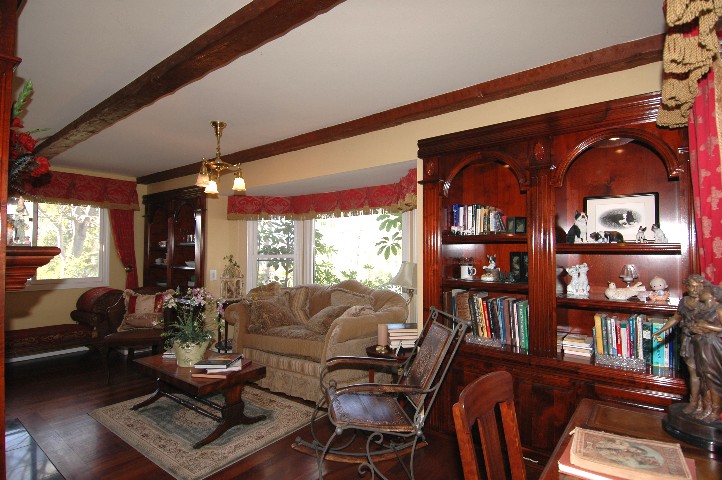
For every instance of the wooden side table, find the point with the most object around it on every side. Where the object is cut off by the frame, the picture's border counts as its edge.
(389, 353)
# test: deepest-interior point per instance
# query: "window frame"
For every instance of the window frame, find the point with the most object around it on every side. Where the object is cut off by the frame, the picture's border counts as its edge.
(103, 278)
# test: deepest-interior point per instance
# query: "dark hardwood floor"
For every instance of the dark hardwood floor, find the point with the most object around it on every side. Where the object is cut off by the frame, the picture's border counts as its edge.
(52, 398)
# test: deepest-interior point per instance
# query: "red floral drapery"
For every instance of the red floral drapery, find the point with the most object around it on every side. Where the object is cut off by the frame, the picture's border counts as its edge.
(693, 73)
(79, 189)
(121, 223)
(393, 197)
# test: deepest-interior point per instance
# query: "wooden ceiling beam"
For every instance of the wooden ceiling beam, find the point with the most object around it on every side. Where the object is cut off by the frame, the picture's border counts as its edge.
(254, 25)
(607, 60)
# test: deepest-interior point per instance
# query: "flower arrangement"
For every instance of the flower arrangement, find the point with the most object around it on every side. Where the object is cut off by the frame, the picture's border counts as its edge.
(24, 165)
(192, 308)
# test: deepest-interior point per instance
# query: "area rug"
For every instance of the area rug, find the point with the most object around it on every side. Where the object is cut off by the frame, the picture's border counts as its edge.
(166, 431)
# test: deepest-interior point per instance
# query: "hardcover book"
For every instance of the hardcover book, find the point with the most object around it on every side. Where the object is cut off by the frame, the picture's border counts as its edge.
(219, 361)
(627, 457)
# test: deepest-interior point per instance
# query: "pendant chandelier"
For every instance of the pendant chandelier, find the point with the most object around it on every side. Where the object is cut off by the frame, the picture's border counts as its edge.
(211, 170)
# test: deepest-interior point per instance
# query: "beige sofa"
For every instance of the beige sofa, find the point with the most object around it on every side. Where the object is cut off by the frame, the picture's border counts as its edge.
(292, 331)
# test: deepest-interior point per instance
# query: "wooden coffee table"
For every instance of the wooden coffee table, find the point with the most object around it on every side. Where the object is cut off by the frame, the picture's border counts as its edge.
(173, 380)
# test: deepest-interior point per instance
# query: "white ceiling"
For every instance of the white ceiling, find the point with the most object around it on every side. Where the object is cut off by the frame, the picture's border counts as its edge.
(361, 57)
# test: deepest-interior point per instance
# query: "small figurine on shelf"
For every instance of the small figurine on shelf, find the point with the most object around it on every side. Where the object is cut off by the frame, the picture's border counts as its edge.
(659, 290)
(491, 272)
(578, 232)
(579, 286)
(659, 236)
(640, 234)
(614, 293)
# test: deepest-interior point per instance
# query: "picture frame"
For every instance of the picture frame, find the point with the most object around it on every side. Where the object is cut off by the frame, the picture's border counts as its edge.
(519, 266)
(510, 224)
(622, 213)
(520, 225)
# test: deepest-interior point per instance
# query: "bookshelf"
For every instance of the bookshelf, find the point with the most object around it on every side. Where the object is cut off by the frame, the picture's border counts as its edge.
(543, 168)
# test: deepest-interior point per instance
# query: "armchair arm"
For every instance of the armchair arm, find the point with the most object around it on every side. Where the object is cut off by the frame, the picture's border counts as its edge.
(238, 315)
(364, 362)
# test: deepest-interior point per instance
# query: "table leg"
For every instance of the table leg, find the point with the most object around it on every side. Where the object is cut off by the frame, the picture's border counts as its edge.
(232, 413)
(152, 398)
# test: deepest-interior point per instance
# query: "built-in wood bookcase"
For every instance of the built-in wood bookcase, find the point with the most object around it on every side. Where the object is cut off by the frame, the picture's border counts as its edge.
(543, 168)
(175, 238)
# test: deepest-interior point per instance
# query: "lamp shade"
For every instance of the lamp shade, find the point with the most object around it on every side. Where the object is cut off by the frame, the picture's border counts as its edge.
(406, 276)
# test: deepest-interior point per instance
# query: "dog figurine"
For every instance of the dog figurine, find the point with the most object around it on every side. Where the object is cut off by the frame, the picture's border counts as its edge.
(578, 232)
(640, 234)
(607, 236)
(659, 236)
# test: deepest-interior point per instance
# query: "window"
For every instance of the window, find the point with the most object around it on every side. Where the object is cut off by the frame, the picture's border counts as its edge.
(80, 231)
(367, 248)
(273, 247)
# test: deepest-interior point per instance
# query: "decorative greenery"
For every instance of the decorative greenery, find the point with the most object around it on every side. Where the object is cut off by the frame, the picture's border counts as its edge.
(192, 309)
(24, 166)
(232, 268)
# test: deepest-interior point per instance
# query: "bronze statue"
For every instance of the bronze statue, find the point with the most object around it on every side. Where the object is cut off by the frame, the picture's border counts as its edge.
(699, 318)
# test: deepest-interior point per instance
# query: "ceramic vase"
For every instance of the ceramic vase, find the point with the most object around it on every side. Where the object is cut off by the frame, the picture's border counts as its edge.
(188, 354)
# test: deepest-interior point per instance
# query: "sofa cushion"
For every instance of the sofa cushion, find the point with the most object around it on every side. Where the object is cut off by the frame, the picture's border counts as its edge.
(309, 349)
(358, 311)
(264, 291)
(142, 311)
(270, 312)
(322, 321)
(340, 296)
(297, 299)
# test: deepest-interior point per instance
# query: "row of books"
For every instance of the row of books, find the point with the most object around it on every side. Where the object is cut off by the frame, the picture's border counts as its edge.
(575, 344)
(501, 318)
(475, 219)
(403, 335)
(632, 337)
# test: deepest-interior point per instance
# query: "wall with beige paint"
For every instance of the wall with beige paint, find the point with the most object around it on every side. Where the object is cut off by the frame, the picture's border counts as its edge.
(388, 146)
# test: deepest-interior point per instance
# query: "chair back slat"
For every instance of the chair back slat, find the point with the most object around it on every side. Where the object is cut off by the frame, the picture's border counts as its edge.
(477, 407)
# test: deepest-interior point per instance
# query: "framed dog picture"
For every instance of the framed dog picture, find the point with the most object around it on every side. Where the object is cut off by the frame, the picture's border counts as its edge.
(519, 266)
(510, 224)
(622, 213)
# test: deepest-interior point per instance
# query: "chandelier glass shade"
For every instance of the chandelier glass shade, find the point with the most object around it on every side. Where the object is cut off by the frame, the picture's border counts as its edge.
(211, 170)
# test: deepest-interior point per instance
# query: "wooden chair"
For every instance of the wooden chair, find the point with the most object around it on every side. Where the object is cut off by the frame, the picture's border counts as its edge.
(390, 416)
(478, 406)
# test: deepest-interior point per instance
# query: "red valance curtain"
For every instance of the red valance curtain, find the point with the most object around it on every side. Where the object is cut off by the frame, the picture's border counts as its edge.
(393, 197)
(79, 189)
(691, 96)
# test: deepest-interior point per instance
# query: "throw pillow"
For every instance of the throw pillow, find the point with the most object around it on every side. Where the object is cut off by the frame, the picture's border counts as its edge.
(264, 291)
(340, 296)
(269, 313)
(142, 311)
(297, 299)
(358, 311)
(322, 321)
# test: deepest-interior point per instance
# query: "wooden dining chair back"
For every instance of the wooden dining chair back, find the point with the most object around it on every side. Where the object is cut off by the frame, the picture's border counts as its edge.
(480, 405)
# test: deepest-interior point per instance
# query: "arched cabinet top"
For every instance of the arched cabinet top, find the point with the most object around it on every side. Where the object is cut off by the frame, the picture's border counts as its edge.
(674, 161)
(486, 157)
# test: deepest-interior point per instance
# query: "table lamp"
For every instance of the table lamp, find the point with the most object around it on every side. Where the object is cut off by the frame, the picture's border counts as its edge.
(406, 279)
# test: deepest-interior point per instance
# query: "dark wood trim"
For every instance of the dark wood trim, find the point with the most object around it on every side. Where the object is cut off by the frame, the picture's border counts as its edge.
(607, 60)
(254, 25)
(8, 61)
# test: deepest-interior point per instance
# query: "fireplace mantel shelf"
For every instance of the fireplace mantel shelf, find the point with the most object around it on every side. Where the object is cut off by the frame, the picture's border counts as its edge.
(22, 263)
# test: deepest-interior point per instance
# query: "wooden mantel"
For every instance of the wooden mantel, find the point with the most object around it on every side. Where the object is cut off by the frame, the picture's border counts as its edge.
(23, 262)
